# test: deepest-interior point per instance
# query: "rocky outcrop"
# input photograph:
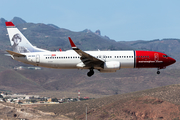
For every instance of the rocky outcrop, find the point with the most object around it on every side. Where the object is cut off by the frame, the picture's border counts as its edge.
(98, 32)
(17, 20)
(2, 22)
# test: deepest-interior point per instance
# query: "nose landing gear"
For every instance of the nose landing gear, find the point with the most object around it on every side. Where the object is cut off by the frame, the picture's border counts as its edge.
(90, 73)
(158, 72)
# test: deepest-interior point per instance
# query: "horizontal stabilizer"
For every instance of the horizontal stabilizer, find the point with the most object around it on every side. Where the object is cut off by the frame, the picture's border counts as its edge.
(15, 54)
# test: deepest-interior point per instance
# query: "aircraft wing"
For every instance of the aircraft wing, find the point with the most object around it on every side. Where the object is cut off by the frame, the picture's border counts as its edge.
(15, 54)
(89, 60)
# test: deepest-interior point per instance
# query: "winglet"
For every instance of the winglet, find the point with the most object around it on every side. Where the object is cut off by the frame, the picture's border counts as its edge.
(9, 24)
(72, 43)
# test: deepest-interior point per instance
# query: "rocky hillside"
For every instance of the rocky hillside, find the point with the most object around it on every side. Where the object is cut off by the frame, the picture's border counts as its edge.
(10, 111)
(49, 36)
(157, 103)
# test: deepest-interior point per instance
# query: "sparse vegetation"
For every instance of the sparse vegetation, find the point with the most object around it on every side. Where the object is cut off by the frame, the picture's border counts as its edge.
(176, 118)
(54, 100)
(126, 105)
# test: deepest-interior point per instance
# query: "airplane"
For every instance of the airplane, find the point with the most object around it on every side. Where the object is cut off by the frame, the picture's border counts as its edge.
(103, 61)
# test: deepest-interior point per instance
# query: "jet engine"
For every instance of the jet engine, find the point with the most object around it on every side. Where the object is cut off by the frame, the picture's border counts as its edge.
(111, 66)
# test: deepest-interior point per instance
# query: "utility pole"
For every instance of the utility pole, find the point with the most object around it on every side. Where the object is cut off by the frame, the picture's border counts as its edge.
(86, 109)
(86, 112)
(79, 95)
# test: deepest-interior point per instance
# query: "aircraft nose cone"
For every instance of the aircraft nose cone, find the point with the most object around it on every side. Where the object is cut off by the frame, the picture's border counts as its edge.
(172, 60)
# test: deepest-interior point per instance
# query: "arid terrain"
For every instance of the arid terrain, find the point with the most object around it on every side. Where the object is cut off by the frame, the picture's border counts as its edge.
(136, 109)
(157, 103)
(128, 94)
(10, 111)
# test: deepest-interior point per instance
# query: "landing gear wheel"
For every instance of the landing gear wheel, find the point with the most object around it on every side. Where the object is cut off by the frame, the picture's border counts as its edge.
(158, 72)
(90, 73)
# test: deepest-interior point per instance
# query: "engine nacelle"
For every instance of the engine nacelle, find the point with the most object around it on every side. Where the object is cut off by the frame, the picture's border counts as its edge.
(112, 65)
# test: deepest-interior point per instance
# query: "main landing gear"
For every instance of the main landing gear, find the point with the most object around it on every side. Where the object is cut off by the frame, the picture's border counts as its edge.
(90, 73)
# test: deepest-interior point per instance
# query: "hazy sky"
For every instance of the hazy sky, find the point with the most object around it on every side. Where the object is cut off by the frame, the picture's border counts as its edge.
(121, 20)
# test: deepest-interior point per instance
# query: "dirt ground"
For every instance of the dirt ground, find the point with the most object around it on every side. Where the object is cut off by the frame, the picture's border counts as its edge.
(10, 111)
(143, 108)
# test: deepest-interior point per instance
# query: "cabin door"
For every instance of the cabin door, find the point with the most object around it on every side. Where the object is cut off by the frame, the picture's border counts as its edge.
(37, 58)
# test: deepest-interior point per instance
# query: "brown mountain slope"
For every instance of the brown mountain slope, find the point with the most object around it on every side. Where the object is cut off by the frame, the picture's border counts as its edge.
(70, 81)
(123, 81)
(139, 108)
(154, 103)
(11, 80)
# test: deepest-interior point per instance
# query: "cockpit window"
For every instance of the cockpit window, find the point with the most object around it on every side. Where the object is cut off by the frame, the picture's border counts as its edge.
(165, 56)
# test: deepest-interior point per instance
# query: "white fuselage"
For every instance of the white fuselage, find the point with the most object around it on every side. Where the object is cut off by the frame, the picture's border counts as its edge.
(103, 61)
(70, 59)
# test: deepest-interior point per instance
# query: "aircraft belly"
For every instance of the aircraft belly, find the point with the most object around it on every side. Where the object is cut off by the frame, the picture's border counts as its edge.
(60, 64)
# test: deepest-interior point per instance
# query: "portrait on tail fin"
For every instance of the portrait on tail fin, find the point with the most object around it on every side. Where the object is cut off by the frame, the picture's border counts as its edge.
(16, 48)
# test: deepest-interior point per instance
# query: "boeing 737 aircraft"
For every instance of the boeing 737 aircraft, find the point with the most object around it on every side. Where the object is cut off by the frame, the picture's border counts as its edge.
(103, 61)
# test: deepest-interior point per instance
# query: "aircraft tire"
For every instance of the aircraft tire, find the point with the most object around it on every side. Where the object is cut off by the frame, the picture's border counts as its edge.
(158, 72)
(90, 73)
